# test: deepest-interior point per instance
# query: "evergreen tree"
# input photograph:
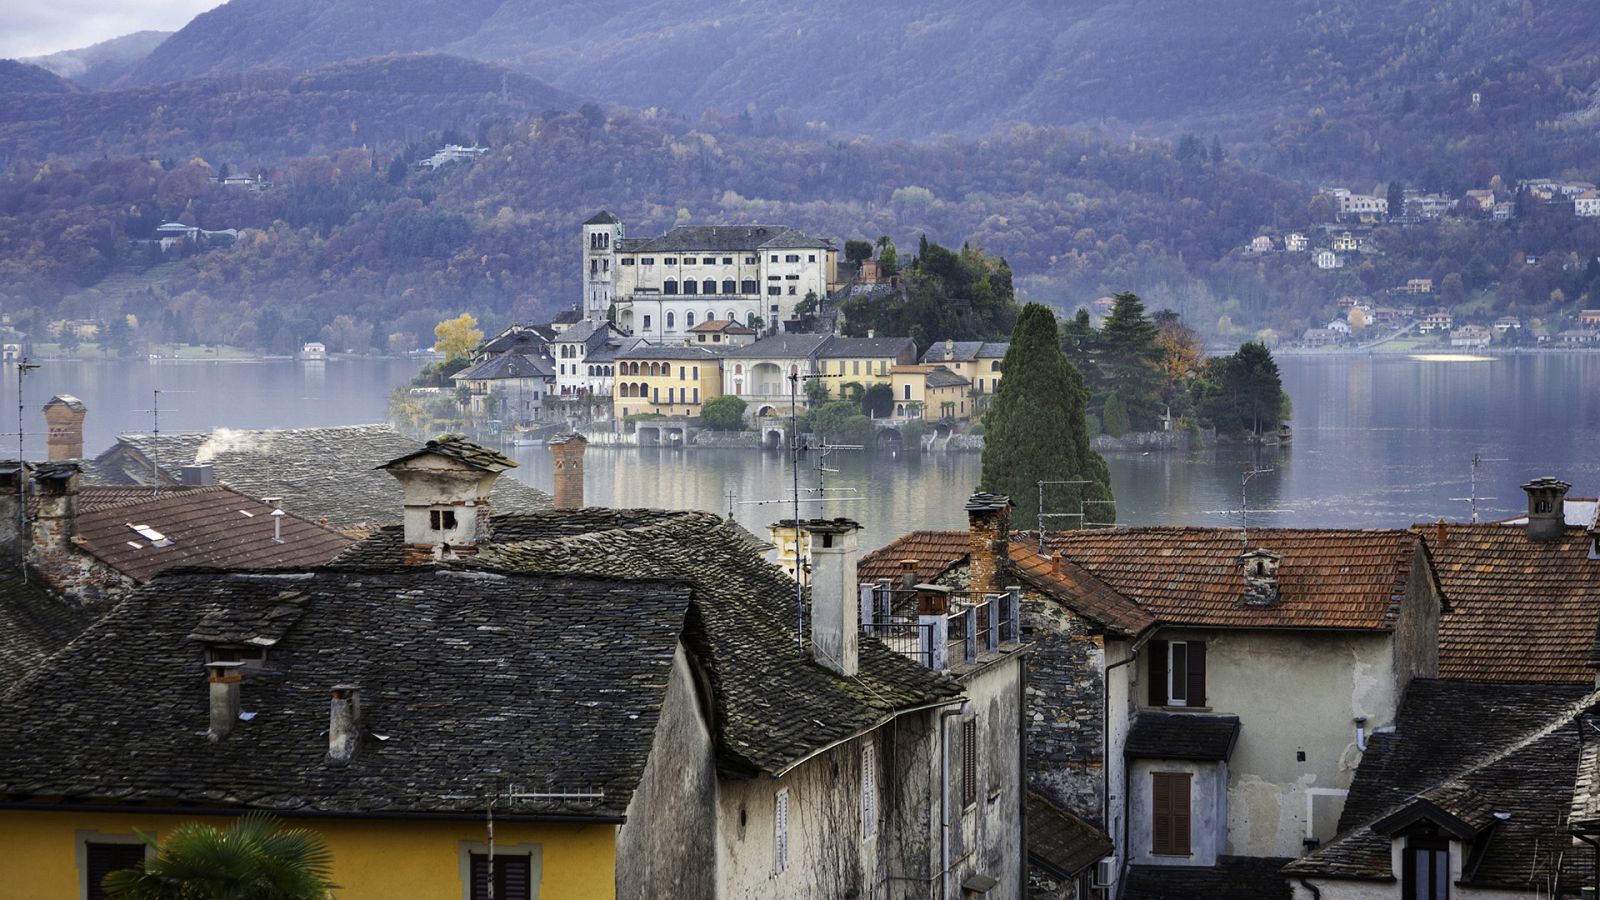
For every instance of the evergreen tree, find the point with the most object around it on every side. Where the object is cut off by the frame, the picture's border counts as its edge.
(1035, 429)
(1114, 418)
(1397, 199)
(1243, 392)
(1130, 360)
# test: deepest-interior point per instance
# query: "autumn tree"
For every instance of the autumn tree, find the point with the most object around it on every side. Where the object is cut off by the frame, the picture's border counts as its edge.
(455, 338)
(1035, 429)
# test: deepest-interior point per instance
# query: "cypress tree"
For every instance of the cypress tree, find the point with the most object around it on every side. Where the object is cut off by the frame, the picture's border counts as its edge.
(1115, 416)
(1035, 429)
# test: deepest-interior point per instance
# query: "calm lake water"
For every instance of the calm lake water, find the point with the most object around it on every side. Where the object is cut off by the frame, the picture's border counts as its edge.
(1380, 441)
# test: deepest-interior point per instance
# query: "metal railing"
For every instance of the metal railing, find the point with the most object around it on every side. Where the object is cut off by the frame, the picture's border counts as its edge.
(906, 636)
(976, 625)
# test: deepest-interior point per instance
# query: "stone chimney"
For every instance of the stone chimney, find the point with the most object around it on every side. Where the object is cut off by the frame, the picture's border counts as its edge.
(56, 521)
(835, 600)
(1547, 514)
(908, 574)
(988, 540)
(222, 679)
(344, 722)
(63, 421)
(447, 485)
(13, 480)
(567, 452)
(1260, 577)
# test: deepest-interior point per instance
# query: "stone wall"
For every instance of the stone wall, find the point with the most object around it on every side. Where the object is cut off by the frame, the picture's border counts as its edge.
(731, 440)
(1066, 707)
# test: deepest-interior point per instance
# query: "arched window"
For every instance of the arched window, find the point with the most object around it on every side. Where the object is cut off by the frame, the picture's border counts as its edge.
(711, 315)
(738, 370)
(750, 320)
(627, 389)
(690, 287)
(670, 286)
(672, 321)
(710, 286)
(728, 286)
(732, 317)
(688, 319)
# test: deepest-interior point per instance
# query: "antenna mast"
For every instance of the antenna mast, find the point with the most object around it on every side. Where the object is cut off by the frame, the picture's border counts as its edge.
(1244, 502)
(1477, 460)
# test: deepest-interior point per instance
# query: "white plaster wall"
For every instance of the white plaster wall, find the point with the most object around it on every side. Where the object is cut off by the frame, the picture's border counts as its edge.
(1293, 693)
(1208, 811)
(991, 829)
(1119, 703)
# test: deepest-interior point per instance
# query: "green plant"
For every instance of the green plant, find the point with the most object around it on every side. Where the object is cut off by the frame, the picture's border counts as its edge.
(255, 858)
(724, 413)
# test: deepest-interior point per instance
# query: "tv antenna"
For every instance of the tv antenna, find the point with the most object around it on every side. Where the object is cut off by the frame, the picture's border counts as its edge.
(1044, 515)
(1250, 472)
(794, 472)
(155, 433)
(24, 366)
(1477, 460)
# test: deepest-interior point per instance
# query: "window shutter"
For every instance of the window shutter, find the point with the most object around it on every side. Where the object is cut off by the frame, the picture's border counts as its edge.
(513, 877)
(969, 762)
(1160, 813)
(1180, 814)
(780, 827)
(103, 859)
(869, 789)
(1197, 673)
(1157, 651)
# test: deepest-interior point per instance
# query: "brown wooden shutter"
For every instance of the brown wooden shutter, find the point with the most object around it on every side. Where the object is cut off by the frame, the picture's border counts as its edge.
(1157, 651)
(513, 877)
(1180, 814)
(1160, 813)
(103, 859)
(1197, 673)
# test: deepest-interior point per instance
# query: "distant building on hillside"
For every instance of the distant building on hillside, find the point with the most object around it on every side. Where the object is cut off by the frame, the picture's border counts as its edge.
(1470, 337)
(1327, 259)
(1586, 204)
(451, 153)
(1295, 242)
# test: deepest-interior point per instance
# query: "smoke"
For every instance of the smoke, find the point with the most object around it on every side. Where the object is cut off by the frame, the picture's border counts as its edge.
(229, 440)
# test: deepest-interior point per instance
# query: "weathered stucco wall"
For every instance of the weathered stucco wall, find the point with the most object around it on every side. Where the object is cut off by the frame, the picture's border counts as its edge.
(664, 847)
(1416, 632)
(1294, 693)
(1208, 811)
(989, 837)
(1066, 707)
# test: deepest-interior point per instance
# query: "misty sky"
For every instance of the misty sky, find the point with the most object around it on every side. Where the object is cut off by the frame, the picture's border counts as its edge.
(36, 27)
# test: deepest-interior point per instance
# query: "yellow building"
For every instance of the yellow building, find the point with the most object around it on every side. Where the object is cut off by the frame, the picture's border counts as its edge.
(930, 392)
(861, 361)
(668, 381)
(976, 361)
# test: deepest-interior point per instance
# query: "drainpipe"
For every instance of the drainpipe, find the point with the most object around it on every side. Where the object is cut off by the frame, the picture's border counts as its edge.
(944, 798)
(1316, 893)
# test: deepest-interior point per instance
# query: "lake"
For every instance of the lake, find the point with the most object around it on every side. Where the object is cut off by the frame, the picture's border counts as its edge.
(1380, 441)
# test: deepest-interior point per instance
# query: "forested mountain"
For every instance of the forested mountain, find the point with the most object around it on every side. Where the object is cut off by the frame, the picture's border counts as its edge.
(20, 78)
(98, 65)
(914, 69)
(266, 116)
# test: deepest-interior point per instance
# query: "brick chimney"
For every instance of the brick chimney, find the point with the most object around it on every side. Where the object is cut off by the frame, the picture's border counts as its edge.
(567, 452)
(63, 420)
(988, 540)
(1260, 577)
(56, 521)
(1547, 513)
(344, 722)
(447, 485)
(835, 600)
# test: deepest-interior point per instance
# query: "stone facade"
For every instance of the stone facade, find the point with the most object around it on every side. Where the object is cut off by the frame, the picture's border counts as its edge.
(1066, 707)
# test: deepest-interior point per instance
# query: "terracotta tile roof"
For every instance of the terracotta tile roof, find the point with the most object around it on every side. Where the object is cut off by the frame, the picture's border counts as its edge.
(214, 527)
(1520, 610)
(934, 551)
(1329, 578)
(1079, 591)
(1060, 842)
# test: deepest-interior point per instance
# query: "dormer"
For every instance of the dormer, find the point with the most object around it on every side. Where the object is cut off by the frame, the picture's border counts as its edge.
(447, 484)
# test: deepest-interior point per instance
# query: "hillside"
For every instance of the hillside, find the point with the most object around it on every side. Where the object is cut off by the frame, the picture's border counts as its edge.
(911, 69)
(268, 116)
(98, 65)
(22, 78)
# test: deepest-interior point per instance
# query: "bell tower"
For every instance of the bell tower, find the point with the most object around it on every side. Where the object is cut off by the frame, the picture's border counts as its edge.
(601, 234)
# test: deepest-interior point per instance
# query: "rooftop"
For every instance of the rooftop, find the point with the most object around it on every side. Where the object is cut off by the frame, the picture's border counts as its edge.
(939, 376)
(507, 366)
(33, 624)
(847, 347)
(1060, 842)
(723, 238)
(1161, 735)
(965, 351)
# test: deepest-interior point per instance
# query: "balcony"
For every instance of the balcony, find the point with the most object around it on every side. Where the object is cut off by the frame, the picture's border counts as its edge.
(938, 627)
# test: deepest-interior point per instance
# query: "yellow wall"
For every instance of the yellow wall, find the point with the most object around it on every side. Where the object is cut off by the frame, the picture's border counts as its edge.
(372, 859)
(864, 371)
(982, 373)
(682, 379)
(934, 400)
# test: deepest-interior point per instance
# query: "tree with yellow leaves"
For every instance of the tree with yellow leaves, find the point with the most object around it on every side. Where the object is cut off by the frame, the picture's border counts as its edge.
(456, 337)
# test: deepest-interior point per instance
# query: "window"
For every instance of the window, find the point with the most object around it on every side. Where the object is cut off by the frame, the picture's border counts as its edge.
(749, 260)
(774, 291)
(695, 373)
(727, 260)
(709, 286)
(647, 261)
(728, 286)
(442, 519)
(1177, 673)
(907, 393)
(513, 876)
(994, 366)
(1426, 869)
(672, 320)
(690, 286)
(969, 762)
(791, 277)
(774, 257)
(1169, 813)
(811, 257)
(102, 857)
(669, 261)
(791, 289)
(791, 257)
(688, 320)
(627, 260)
(646, 323)
(670, 286)
(869, 789)
(748, 286)
(697, 395)
(732, 317)
(780, 831)
(709, 260)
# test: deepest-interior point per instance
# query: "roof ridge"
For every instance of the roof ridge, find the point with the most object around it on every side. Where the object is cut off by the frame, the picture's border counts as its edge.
(157, 492)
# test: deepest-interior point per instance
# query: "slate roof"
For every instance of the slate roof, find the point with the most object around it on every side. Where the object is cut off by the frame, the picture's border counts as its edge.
(207, 526)
(848, 347)
(1079, 591)
(67, 400)
(317, 471)
(383, 547)
(507, 365)
(939, 376)
(1465, 751)
(743, 631)
(587, 331)
(458, 448)
(724, 239)
(935, 552)
(33, 624)
(965, 351)
(518, 338)
(1163, 735)
(1520, 610)
(569, 316)
(1232, 878)
(1328, 578)
(603, 217)
(1059, 842)
(781, 346)
(613, 350)
(468, 681)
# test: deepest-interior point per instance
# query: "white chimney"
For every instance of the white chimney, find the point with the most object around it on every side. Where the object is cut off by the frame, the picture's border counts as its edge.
(446, 484)
(223, 680)
(835, 600)
(344, 722)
